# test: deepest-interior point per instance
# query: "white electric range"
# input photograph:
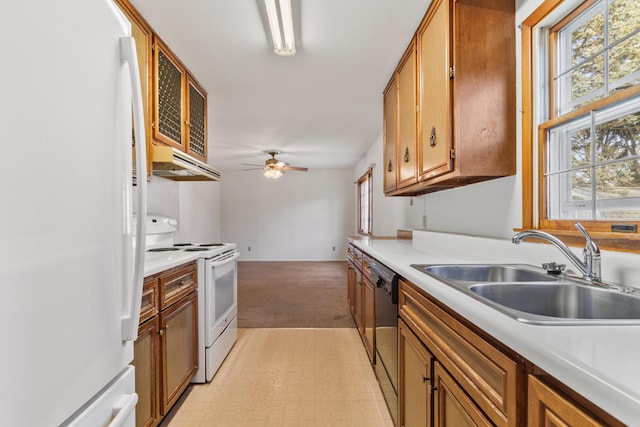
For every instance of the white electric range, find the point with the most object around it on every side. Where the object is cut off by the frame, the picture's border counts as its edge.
(217, 288)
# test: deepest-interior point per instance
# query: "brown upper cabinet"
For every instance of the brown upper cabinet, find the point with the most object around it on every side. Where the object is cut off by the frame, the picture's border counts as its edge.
(389, 135)
(465, 91)
(400, 124)
(407, 126)
(180, 107)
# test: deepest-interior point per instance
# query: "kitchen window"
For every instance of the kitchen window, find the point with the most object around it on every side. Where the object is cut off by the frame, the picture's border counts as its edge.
(365, 202)
(581, 123)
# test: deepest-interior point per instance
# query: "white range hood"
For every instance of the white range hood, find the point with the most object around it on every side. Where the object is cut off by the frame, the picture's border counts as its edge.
(171, 163)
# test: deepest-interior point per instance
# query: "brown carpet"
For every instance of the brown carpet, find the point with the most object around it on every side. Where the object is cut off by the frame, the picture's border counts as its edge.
(293, 294)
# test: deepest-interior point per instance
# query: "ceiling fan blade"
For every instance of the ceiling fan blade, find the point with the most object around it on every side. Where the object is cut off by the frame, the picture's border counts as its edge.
(294, 168)
(253, 169)
(248, 164)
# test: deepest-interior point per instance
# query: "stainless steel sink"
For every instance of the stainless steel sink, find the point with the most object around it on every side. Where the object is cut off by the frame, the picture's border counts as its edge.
(567, 302)
(487, 273)
(530, 295)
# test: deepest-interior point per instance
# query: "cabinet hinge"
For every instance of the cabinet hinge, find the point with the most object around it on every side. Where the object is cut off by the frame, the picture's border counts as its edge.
(453, 153)
(451, 72)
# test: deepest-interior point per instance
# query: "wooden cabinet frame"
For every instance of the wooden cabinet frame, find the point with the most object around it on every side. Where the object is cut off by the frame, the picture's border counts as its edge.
(187, 81)
(469, 91)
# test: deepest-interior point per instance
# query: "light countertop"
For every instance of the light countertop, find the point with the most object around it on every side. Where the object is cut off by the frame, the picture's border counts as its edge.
(602, 363)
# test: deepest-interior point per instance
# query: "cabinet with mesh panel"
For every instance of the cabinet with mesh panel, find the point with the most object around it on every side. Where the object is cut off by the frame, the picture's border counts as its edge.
(180, 105)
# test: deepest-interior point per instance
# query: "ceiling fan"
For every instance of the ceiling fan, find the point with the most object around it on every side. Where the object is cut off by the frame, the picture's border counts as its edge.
(274, 168)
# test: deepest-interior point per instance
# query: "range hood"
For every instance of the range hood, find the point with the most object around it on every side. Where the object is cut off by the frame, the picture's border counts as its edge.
(171, 163)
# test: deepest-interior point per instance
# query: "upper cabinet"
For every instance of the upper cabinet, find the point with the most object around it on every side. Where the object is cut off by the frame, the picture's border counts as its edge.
(400, 124)
(406, 154)
(180, 107)
(389, 135)
(465, 97)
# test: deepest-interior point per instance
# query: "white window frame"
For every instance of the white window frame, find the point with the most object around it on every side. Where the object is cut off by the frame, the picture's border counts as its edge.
(365, 197)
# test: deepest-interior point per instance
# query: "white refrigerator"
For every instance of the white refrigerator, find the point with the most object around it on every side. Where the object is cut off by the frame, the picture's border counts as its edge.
(70, 268)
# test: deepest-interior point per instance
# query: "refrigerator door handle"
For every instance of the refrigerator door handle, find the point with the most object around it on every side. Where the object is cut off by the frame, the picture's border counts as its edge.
(132, 315)
(123, 409)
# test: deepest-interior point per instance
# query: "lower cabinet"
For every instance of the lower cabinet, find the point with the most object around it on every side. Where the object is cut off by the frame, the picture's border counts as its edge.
(146, 360)
(451, 405)
(361, 297)
(453, 374)
(549, 407)
(414, 388)
(466, 380)
(368, 317)
(165, 353)
(357, 299)
(179, 352)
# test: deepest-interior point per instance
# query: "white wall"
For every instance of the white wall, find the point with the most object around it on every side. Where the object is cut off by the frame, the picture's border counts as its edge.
(196, 206)
(302, 216)
(200, 211)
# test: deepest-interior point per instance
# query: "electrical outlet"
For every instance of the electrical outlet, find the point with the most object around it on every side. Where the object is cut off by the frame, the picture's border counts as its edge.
(249, 249)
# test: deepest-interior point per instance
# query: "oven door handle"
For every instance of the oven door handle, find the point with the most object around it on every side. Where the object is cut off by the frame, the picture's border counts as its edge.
(224, 261)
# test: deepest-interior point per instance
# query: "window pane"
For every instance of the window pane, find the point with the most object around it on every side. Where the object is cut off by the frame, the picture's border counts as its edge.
(580, 148)
(587, 78)
(618, 180)
(587, 39)
(618, 138)
(570, 195)
(581, 185)
(624, 59)
(624, 18)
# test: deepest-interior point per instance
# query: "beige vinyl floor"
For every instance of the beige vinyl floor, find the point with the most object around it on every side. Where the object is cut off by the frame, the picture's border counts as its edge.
(288, 377)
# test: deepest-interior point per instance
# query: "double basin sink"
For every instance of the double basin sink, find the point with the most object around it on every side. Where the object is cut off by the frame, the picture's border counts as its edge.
(531, 295)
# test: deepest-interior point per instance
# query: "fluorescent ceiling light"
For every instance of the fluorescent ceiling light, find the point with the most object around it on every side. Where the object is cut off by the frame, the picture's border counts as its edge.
(287, 48)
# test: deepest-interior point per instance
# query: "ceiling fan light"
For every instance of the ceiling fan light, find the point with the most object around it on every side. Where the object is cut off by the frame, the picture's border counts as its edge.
(273, 173)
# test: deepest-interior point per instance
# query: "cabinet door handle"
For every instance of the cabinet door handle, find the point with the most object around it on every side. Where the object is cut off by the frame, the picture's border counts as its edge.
(433, 388)
(432, 138)
(425, 378)
(390, 167)
(161, 332)
(406, 155)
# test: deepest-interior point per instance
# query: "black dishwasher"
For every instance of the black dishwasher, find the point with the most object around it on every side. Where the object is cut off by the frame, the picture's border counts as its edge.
(386, 308)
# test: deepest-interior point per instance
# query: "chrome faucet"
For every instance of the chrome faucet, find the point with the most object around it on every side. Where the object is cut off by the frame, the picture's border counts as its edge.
(589, 266)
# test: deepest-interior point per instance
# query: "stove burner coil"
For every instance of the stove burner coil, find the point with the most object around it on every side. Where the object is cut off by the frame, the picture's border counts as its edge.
(163, 249)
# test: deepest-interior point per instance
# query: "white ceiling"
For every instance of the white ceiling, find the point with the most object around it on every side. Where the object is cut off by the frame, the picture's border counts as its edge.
(322, 108)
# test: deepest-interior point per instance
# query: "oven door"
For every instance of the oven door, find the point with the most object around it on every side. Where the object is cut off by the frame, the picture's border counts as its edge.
(221, 294)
